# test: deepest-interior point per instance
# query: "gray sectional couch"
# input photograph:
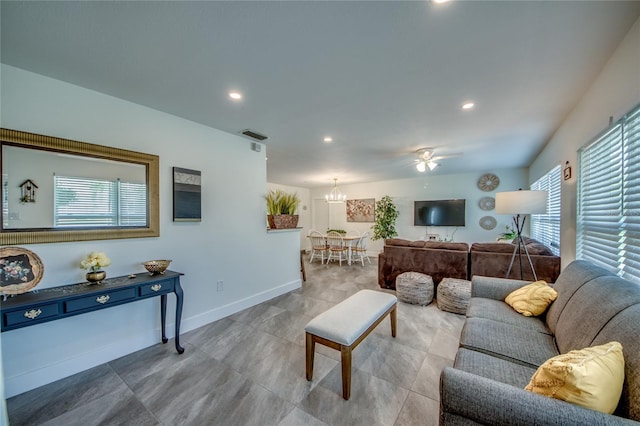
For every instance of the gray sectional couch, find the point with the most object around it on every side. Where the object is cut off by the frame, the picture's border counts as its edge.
(501, 349)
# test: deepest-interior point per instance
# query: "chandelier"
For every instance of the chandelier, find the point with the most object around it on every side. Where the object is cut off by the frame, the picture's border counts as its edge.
(335, 196)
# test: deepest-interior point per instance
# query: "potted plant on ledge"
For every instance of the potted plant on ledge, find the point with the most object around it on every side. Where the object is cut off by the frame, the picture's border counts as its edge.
(281, 209)
(509, 235)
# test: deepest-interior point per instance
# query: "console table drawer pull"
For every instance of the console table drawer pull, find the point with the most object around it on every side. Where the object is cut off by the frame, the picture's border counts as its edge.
(156, 288)
(90, 302)
(103, 299)
(27, 315)
(33, 313)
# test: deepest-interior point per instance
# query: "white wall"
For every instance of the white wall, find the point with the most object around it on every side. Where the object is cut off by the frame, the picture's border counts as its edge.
(614, 92)
(231, 235)
(304, 210)
(426, 187)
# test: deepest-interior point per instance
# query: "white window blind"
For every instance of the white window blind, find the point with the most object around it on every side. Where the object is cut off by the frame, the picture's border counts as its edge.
(608, 226)
(132, 204)
(546, 227)
(630, 247)
(83, 202)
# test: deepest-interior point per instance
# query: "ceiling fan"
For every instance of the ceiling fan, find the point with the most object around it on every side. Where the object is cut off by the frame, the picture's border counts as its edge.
(428, 159)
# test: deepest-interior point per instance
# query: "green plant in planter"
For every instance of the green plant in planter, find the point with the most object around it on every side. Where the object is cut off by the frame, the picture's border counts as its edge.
(339, 231)
(386, 215)
(281, 208)
(280, 202)
(510, 233)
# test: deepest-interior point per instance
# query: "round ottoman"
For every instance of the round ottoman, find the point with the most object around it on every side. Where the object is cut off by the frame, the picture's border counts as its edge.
(453, 295)
(414, 288)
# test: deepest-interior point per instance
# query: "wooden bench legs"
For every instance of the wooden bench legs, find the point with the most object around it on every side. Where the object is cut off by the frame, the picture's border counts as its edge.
(311, 351)
(345, 360)
(345, 350)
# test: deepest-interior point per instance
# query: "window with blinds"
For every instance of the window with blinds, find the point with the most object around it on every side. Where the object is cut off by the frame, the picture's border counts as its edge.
(608, 222)
(83, 202)
(546, 227)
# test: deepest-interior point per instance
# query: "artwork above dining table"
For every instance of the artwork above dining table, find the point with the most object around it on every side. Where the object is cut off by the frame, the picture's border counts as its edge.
(362, 210)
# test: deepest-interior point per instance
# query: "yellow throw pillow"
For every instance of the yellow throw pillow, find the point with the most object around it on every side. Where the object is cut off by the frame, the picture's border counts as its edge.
(532, 299)
(590, 377)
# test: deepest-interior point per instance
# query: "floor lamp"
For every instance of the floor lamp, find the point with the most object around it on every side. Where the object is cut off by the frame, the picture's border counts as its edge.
(520, 204)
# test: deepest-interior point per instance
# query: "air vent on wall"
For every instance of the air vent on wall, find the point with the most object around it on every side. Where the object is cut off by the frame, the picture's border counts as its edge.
(253, 135)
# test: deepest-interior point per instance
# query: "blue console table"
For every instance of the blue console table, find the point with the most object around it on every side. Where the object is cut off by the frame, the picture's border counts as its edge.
(54, 303)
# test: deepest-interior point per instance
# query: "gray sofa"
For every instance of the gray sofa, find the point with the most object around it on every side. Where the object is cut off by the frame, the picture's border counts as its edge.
(501, 349)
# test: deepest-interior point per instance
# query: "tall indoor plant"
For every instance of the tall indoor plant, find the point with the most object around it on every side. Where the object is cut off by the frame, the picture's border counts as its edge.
(386, 215)
(281, 209)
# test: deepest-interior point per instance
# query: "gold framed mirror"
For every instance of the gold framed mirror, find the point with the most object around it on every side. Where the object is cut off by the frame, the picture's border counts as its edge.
(59, 190)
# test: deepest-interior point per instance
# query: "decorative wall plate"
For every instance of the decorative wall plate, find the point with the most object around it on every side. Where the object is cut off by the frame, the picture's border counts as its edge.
(20, 270)
(488, 222)
(487, 203)
(488, 182)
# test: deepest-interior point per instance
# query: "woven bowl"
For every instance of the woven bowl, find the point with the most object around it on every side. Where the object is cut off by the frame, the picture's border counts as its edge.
(156, 266)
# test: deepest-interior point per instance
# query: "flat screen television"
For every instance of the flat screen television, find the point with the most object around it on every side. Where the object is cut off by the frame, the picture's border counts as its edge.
(439, 213)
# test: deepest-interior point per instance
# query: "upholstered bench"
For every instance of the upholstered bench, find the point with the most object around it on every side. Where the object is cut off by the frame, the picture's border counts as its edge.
(345, 325)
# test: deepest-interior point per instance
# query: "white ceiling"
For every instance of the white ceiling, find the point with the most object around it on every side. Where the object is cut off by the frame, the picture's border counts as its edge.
(382, 78)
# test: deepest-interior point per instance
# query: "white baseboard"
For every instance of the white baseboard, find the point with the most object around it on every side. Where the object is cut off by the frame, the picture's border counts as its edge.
(224, 311)
(76, 363)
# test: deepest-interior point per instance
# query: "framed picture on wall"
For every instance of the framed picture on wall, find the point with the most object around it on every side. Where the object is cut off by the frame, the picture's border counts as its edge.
(567, 171)
(362, 210)
(20, 270)
(187, 201)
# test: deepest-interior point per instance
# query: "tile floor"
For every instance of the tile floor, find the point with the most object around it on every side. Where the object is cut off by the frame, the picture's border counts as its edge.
(249, 369)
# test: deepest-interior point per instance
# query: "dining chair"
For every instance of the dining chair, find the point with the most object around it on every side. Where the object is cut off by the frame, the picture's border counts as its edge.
(337, 248)
(303, 272)
(318, 246)
(359, 251)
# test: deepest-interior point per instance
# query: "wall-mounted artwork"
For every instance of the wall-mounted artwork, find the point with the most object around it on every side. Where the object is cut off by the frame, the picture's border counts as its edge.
(361, 210)
(20, 270)
(187, 200)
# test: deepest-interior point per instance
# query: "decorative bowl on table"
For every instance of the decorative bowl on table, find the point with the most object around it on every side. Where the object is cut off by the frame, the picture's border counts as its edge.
(156, 267)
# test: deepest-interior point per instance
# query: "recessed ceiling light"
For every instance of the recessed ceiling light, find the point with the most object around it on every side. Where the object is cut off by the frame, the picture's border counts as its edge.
(328, 139)
(468, 105)
(236, 96)
(440, 1)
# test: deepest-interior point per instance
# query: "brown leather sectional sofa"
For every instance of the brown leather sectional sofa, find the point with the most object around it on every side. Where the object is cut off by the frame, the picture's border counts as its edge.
(458, 260)
(438, 259)
(492, 260)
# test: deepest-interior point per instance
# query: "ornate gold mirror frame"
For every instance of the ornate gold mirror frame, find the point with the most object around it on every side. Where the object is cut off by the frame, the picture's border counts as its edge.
(66, 146)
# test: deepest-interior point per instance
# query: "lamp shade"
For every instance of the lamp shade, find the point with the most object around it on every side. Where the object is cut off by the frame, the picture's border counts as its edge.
(521, 202)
